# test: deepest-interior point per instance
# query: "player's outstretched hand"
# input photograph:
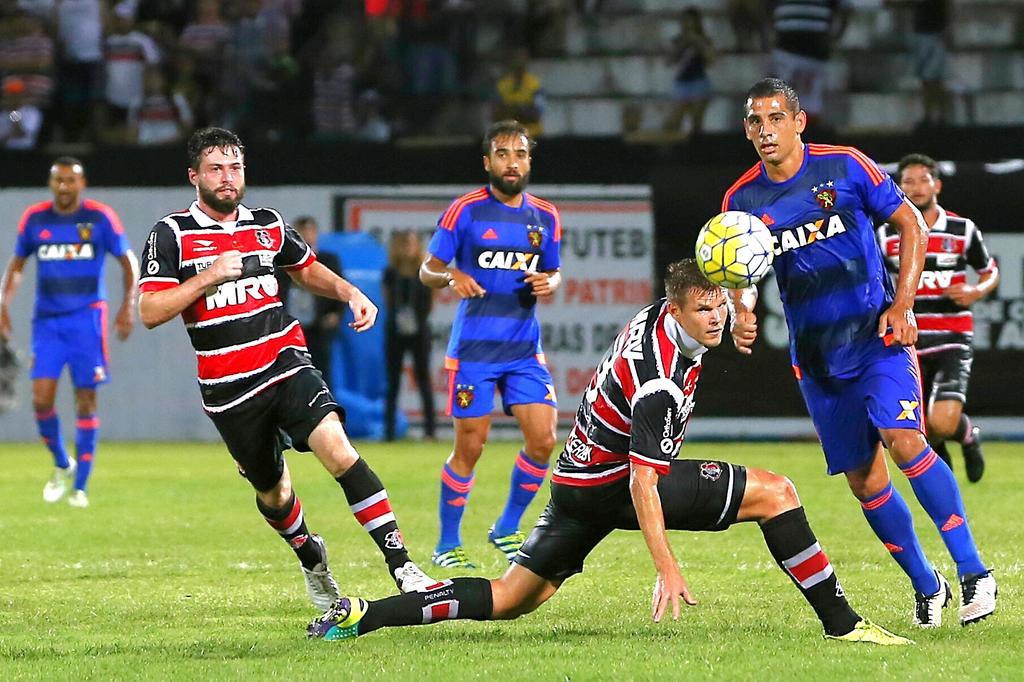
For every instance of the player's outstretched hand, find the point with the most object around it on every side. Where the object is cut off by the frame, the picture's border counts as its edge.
(226, 268)
(540, 283)
(668, 587)
(900, 318)
(744, 331)
(465, 286)
(364, 311)
(124, 322)
(6, 329)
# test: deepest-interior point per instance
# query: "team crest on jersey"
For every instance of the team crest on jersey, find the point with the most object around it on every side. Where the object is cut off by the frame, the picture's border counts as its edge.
(84, 231)
(711, 471)
(825, 195)
(535, 233)
(263, 237)
(948, 245)
(464, 394)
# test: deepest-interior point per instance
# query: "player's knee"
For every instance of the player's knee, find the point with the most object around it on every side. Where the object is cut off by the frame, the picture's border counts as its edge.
(41, 404)
(540, 448)
(781, 494)
(907, 444)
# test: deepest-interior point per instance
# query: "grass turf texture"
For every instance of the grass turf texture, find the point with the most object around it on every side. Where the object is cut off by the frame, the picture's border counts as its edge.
(172, 574)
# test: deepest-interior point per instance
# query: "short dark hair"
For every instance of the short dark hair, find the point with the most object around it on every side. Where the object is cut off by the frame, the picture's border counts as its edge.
(684, 275)
(303, 220)
(68, 161)
(506, 128)
(917, 160)
(206, 138)
(766, 87)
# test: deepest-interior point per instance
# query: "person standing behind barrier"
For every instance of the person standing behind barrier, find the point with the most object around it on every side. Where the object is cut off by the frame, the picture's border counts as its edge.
(319, 317)
(408, 307)
(690, 54)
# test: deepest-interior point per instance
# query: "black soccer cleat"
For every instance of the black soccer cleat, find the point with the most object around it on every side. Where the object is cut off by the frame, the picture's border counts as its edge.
(974, 462)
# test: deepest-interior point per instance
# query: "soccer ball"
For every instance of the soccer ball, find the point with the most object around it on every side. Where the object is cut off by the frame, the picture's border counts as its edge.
(734, 250)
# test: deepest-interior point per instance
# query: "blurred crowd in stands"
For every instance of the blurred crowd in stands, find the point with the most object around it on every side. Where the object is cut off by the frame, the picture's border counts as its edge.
(146, 72)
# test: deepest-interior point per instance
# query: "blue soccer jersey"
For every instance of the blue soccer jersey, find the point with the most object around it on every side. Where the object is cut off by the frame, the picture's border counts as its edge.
(830, 269)
(497, 245)
(71, 251)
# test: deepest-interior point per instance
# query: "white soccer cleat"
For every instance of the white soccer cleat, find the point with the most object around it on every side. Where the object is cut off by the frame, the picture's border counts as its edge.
(58, 483)
(320, 585)
(410, 578)
(928, 609)
(977, 598)
(78, 499)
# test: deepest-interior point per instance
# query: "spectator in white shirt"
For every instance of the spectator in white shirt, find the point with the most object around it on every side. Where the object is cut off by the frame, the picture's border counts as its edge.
(19, 122)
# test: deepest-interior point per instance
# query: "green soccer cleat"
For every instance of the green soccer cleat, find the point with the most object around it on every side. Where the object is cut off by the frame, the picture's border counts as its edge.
(507, 544)
(866, 631)
(453, 558)
(340, 621)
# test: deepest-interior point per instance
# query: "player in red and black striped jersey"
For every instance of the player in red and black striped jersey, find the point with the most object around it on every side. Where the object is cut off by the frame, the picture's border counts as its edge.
(942, 306)
(618, 471)
(214, 265)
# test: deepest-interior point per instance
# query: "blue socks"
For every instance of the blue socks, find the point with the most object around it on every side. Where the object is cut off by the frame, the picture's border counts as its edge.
(49, 430)
(888, 515)
(86, 432)
(454, 495)
(527, 477)
(937, 491)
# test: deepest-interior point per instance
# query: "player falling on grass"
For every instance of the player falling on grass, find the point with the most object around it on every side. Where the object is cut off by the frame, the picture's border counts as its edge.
(851, 335)
(70, 237)
(618, 471)
(942, 308)
(505, 247)
(214, 265)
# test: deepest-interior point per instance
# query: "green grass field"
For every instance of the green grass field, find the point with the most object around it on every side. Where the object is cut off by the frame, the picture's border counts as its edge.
(172, 574)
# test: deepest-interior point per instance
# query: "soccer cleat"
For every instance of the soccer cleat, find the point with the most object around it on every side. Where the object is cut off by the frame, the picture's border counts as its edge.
(58, 483)
(78, 499)
(339, 621)
(320, 585)
(974, 462)
(453, 558)
(928, 609)
(507, 544)
(866, 631)
(410, 578)
(977, 598)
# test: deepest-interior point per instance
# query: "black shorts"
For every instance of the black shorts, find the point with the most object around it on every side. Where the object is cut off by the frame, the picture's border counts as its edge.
(259, 430)
(944, 375)
(695, 495)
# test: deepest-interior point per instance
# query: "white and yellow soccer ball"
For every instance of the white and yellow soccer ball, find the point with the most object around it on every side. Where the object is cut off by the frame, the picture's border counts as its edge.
(734, 250)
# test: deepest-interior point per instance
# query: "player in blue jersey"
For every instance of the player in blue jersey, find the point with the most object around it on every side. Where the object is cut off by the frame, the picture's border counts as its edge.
(851, 335)
(70, 237)
(503, 245)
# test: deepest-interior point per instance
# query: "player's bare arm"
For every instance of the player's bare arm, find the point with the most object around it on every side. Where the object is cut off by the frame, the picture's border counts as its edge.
(9, 287)
(320, 280)
(436, 274)
(670, 584)
(965, 294)
(157, 307)
(744, 321)
(913, 244)
(125, 320)
(544, 283)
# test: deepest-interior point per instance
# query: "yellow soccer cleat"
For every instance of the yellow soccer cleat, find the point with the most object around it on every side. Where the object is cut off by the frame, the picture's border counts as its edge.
(866, 631)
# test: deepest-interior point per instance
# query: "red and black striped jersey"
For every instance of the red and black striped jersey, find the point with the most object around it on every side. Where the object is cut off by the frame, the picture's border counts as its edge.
(954, 243)
(243, 338)
(637, 405)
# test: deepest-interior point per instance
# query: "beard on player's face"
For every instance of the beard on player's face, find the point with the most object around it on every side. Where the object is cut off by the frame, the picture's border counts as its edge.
(509, 187)
(227, 204)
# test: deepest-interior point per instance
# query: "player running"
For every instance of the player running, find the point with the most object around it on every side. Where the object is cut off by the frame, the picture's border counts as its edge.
(851, 335)
(618, 471)
(505, 247)
(70, 237)
(942, 308)
(214, 265)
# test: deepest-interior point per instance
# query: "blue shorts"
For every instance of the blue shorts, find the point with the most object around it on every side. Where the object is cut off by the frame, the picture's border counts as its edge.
(77, 339)
(471, 386)
(848, 413)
